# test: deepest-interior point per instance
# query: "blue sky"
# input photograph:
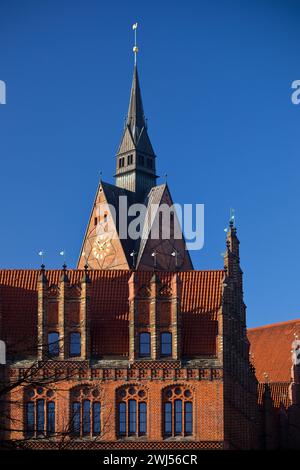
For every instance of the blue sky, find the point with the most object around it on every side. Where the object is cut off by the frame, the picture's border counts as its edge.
(216, 80)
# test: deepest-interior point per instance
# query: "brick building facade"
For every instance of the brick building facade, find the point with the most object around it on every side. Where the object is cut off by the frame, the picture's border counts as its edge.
(135, 349)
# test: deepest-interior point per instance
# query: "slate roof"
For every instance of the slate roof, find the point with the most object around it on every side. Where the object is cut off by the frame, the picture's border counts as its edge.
(135, 133)
(154, 198)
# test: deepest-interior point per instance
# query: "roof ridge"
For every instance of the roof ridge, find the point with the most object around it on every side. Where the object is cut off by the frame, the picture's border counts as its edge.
(123, 270)
(271, 325)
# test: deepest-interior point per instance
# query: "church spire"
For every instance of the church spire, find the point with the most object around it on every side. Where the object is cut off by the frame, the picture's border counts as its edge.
(135, 165)
(135, 117)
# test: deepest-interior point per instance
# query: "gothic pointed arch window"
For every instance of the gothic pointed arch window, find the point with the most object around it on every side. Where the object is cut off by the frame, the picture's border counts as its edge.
(131, 411)
(39, 412)
(85, 412)
(177, 411)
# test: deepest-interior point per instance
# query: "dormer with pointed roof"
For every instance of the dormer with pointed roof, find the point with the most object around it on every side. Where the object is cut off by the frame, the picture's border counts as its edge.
(135, 159)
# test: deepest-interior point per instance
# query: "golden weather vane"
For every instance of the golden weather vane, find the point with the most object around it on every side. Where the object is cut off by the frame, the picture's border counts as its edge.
(135, 48)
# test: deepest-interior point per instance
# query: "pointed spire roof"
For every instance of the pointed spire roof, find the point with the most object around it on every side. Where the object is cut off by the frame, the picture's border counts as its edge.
(135, 117)
(135, 135)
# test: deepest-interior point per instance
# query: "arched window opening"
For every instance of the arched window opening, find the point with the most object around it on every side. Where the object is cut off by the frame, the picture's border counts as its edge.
(188, 418)
(132, 411)
(39, 412)
(122, 419)
(132, 417)
(86, 418)
(178, 411)
(75, 344)
(142, 419)
(96, 419)
(53, 344)
(145, 344)
(85, 412)
(166, 344)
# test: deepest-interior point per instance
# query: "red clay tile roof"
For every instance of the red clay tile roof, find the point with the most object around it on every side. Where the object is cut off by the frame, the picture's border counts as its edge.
(201, 300)
(279, 393)
(270, 347)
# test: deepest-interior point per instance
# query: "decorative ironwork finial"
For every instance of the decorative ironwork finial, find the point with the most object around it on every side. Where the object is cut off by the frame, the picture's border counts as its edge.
(133, 256)
(154, 255)
(175, 254)
(231, 217)
(135, 47)
(63, 254)
(41, 253)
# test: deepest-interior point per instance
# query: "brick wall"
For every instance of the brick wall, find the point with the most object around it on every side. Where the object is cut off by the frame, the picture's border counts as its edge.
(207, 399)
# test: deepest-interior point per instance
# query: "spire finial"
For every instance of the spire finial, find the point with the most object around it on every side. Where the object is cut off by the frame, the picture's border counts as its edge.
(64, 276)
(154, 255)
(42, 276)
(133, 255)
(85, 278)
(135, 48)
(63, 254)
(231, 217)
(41, 253)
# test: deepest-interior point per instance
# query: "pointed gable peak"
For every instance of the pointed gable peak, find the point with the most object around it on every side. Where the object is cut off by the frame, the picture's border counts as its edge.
(127, 143)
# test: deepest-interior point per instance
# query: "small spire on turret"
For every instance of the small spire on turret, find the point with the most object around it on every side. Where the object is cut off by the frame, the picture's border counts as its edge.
(64, 276)
(86, 277)
(42, 276)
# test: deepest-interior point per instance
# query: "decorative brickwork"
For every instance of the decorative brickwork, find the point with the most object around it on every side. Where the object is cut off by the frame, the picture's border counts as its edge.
(104, 357)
